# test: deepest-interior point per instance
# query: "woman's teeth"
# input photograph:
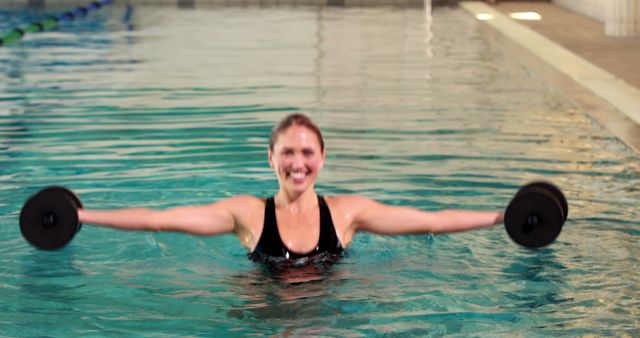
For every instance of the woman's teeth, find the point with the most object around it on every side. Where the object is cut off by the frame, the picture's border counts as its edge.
(298, 177)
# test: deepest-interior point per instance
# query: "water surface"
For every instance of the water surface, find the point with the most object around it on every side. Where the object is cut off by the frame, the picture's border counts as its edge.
(175, 108)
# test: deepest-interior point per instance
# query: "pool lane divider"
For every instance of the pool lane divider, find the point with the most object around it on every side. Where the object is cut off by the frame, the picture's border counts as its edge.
(52, 22)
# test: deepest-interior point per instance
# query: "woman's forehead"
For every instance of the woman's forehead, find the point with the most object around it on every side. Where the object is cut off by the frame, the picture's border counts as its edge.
(297, 136)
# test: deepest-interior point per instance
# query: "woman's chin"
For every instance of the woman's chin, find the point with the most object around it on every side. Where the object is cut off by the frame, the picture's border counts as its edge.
(298, 187)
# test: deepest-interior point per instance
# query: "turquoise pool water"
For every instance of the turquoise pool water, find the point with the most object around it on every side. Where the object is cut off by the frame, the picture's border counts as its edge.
(175, 108)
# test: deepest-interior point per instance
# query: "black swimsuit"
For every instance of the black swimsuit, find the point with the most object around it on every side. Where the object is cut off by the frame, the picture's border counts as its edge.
(270, 243)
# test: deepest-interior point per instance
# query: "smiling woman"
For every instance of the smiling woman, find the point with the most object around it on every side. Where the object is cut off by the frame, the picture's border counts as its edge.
(296, 223)
(299, 155)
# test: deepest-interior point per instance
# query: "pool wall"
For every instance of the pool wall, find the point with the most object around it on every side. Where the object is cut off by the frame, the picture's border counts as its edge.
(620, 17)
(205, 3)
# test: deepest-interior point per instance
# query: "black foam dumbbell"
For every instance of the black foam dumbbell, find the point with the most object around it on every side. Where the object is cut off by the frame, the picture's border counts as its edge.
(535, 216)
(49, 219)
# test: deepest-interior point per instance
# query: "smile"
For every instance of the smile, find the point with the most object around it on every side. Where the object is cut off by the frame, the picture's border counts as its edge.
(297, 177)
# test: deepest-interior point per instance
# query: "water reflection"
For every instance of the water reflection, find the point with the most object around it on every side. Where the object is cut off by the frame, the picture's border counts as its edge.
(52, 279)
(542, 279)
(287, 290)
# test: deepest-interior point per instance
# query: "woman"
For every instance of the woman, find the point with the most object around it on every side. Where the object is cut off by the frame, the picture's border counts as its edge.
(296, 222)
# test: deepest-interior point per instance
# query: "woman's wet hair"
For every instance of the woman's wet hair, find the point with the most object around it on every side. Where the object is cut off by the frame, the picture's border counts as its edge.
(297, 120)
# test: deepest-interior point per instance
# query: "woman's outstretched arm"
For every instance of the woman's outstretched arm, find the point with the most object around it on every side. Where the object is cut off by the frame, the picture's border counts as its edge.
(380, 218)
(212, 219)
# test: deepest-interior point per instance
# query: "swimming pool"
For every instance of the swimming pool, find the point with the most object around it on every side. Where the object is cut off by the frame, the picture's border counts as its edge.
(175, 108)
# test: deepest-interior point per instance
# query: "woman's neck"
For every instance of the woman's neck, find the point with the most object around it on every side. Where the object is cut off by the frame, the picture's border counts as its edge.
(296, 203)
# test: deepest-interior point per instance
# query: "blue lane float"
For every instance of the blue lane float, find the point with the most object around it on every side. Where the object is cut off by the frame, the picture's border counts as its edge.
(52, 22)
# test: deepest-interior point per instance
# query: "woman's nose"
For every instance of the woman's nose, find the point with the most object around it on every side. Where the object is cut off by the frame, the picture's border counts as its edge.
(298, 160)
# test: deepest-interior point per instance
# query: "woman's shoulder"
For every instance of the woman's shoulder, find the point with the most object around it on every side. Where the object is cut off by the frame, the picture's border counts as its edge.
(243, 202)
(247, 198)
(351, 201)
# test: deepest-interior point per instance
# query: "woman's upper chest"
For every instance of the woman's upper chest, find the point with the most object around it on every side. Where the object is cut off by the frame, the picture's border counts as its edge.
(299, 231)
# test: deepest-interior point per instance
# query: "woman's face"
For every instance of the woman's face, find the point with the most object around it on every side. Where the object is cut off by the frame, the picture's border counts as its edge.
(296, 158)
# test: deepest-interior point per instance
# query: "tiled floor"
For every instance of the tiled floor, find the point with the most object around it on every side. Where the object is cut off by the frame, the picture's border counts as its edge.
(583, 36)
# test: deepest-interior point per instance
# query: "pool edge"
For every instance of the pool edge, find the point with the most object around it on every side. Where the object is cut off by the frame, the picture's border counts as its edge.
(621, 112)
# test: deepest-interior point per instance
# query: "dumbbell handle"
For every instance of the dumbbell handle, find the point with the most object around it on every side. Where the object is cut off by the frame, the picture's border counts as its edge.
(532, 222)
(49, 221)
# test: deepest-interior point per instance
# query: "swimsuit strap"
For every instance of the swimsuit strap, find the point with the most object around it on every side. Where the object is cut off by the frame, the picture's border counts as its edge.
(271, 244)
(328, 238)
(270, 238)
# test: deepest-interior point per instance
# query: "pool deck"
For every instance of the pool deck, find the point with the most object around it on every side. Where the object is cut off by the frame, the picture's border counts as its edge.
(577, 47)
